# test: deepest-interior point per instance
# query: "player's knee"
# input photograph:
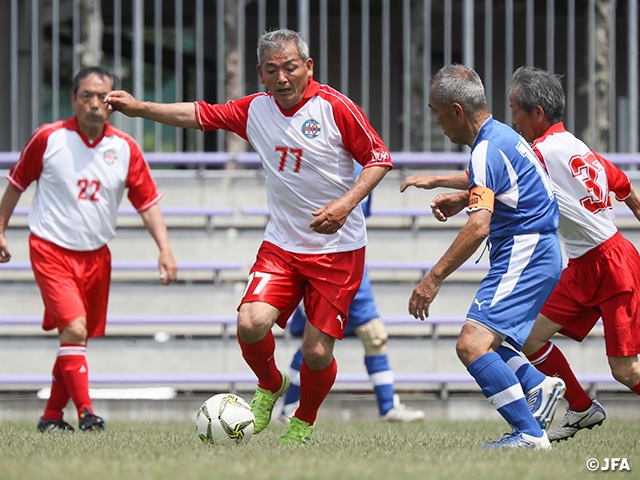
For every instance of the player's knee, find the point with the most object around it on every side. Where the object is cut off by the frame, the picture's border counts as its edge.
(467, 352)
(250, 331)
(541, 333)
(75, 332)
(253, 324)
(625, 372)
(316, 355)
(622, 376)
(374, 337)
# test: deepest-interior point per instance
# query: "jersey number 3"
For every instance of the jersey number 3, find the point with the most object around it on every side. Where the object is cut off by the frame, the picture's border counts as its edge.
(587, 169)
(88, 190)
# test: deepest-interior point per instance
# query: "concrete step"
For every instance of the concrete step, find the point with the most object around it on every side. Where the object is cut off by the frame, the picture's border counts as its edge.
(193, 355)
(205, 299)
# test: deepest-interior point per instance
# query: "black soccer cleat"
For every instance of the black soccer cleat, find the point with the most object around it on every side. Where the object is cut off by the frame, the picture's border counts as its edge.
(47, 426)
(89, 421)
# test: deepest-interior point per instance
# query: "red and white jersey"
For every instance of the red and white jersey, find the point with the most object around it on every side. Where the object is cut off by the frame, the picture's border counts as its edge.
(308, 155)
(582, 181)
(81, 183)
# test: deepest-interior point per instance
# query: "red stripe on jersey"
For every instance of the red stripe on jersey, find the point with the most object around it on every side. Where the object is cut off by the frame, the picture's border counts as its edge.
(142, 189)
(231, 116)
(28, 167)
(618, 181)
(540, 157)
(358, 136)
(310, 92)
(72, 124)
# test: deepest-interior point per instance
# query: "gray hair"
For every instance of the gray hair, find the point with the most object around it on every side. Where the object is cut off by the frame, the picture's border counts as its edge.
(538, 88)
(94, 70)
(459, 84)
(276, 40)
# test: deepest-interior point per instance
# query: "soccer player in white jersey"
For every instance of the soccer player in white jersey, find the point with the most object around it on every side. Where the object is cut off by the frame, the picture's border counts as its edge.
(602, 278)
(511, 204)
(82, 166)
(308, 136)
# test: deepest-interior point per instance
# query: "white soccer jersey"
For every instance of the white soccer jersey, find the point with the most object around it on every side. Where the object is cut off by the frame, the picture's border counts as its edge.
(81, 183)
(308, 154)
(582, 181)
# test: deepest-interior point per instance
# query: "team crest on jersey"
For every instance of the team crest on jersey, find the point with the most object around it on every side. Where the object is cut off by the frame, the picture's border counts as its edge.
(311, 128)
(111, 157)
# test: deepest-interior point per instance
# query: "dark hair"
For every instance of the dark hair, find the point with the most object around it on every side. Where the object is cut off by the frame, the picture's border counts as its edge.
(275, 40)
(535, 87)
(459, 84)
(97, 70)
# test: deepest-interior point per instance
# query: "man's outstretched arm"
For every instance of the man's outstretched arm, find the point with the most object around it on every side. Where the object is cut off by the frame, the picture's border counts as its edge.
(175, 114)
(458, 181)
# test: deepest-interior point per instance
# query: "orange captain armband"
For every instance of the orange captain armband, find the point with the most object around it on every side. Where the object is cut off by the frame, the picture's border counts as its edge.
(481, 197)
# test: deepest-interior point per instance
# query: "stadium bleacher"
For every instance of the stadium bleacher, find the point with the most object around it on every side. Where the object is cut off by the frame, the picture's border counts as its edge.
(401, 241)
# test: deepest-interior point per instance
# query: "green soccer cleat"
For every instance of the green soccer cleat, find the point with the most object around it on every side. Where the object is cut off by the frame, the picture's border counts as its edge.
(298, 433)
(263, 403)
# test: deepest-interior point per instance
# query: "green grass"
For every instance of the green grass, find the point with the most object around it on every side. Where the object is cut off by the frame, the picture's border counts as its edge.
(353, 450)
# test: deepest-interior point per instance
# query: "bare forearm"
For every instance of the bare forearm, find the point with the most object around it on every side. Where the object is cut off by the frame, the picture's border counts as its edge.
(167, 266)
(8, 205)
(633, 202)
(366, 182)
(457, 181)
(154, 223)
(465, 244)
(174, 114)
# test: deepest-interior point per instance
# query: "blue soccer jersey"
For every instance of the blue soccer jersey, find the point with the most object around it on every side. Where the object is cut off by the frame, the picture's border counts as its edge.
(503, 162)
(525, 255)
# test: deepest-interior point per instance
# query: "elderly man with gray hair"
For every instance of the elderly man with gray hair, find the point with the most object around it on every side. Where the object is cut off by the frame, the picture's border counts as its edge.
(601, 279)
(510, 205)
(308, 137)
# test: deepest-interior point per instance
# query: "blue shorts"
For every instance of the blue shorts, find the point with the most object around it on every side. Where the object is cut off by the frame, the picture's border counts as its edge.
(361, 310)
(524, 271)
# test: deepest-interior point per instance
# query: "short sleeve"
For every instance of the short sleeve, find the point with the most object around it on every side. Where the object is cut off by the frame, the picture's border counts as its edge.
(142, 189)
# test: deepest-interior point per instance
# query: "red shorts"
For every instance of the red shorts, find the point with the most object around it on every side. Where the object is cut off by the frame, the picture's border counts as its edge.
(604, 282)
(72, 284)
(328, 283)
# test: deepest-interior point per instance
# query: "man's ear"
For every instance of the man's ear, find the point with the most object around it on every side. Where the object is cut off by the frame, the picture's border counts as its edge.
(538, 111)
(260, 77)
(309, 65)
(457, 109)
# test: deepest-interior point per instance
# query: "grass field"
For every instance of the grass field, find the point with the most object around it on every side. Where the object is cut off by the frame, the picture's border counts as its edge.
(352, 450)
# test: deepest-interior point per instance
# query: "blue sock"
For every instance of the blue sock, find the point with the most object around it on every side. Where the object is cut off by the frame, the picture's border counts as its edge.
(501, 387)
(527, 374)
(292, 395)
(382, 378)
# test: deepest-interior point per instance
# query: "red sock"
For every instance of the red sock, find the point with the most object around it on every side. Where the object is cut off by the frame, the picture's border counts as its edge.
(260, 358)
(314, 388)
(636, 389)
(59, 395)
(75, 373)
(550, 361)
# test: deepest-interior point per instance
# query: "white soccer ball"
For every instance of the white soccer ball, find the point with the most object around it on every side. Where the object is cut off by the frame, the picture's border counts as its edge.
(225, 419)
